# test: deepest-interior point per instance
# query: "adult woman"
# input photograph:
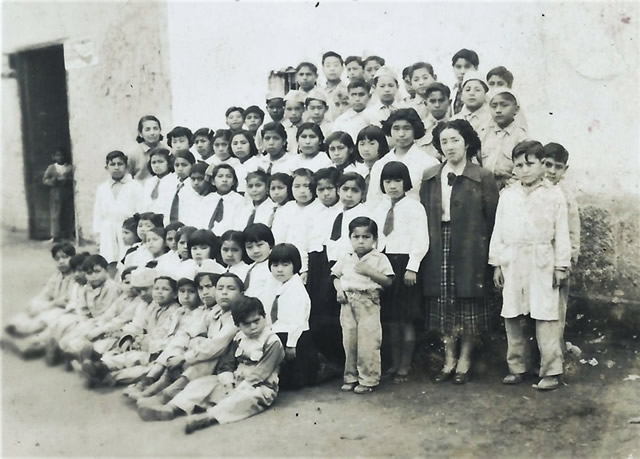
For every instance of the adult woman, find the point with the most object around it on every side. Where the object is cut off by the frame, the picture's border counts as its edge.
(460, 199)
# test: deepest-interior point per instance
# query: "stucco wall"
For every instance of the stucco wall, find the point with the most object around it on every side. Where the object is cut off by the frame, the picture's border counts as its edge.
(129, 80)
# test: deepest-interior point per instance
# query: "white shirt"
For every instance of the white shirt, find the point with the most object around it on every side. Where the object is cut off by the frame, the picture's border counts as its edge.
(446, 192)
(261, 284)
(321, 224)
(379, 113)
(166, 189)
(292, 225)
(197, 209)
(234, 213)
(343, 245)
(479, 119)
(265, 212)
(352, 122)
(285, 164)
(294, 308)
(319, 161)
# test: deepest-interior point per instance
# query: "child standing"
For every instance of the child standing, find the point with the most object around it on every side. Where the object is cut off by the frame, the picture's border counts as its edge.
(280, 192)
(130, 236)
(354, 67)
(222, 151)
(311, 148)
(259, 241)
(438, 103)
(371, 145)
(235, 118)
(462, 62)
(359, 277)
(138, 254)
(202, 198)
(116, 199)
(474, 97)
(385, 86)
(243, 147)
(293, 110)
(158, 191)
(180, 139)
(233, 254)
(531, 252)
(182, 163)
(230, 207)
(149, 137)
(203, 141)
(59, 177)
(276, 160)
(422, 76)
(405, 242)
(342, 153)
(275, 106)
(316, 107)
(262, 207)
(356, 117)
(253, 119)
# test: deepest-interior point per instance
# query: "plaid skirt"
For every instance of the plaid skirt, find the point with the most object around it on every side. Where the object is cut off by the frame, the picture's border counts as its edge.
(450, 315)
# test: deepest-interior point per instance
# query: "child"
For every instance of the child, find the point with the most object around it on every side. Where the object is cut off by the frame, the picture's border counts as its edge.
(196, 208)
(233, 254)
(203, 141)
(406, 78)
(222, 151)
(166, 261)
(276, 160)
(316, 108)
(437, 99)
(262, 208)
(371, 65)
(371, 145)
(359, 277)
(462, 62)
(502, 135)
(422, 75)
(130, 236)
(289, 317)
(306, 76)
(293, 110)
(403, 126)
(500, 77)
(385, 87)
(182, 164)
(555, 160)
(342, 153)
(354, 67)
(405, 242)
(311, 148)
(202, 245)
(138, 254)
(59, 177)
(234, 117)
(531, 252)
(258, 242)
(100, 291)
(180, 139)
(332, 68)
(247, 378)
(172, 236)
(149, 137)
(225, 184)
(474, 97)
(158, 191)
(244, 148)
(275, 106)
(339, 102)
(116, 199)
(355, 118)
(280, 192)
(253, 119)
(182, 238)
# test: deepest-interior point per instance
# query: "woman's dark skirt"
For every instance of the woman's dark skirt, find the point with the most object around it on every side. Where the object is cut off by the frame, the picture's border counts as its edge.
(399, 302)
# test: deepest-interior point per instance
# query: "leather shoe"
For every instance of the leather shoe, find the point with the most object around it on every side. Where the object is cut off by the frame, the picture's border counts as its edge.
(443, 376)
(462, 378)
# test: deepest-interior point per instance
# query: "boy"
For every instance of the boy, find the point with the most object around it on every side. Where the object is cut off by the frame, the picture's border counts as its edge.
(371, 65)
(421, 75)
(293, 110)
(354, 68)
(339, 102)
(502, 135)
(555, 160)
(180, 139)
(406, 78)
(275, 105)
(355, 118)
(332, 68)
(531, 252)
(462, 62)
(276, 159)
(499, 77)
(316, 107)
(438, 101)
(253, 119)
(474, 97)
(358, 279)
(116, 199)
(385, 85)
(306, 76)
(234, 117)
(101, 291)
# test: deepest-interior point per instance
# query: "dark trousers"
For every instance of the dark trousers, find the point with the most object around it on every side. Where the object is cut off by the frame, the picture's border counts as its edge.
(303, 370)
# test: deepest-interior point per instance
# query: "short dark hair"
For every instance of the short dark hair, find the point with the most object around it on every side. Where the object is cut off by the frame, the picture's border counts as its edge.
(372, 132)
(405, 114)
(204, 132)
(311, 66)
(395, 170)
(229, 167)
(253, 149)
(363, 222)
(204, 237)
(201, 167)
(94, 260)
(315, 128)
(528, 148)
(172, 282)
(283, 178)
(286, 253)
(349, 176)
(180, 131)
(76, 261)
(141, 121)
(186, 281)
(278, 128)
(421, 65)
(160, 231)
(260, 175)
(185, 154)
(235, 278)
(308, 173)
(66, 247)
(224, 133)
(465, 130)
(345, 139)
(358, 83)
(126, 271)
(438, 87)
(185, 230)
(378, 59)
(467, 55)
(116, 154)
(332, 54)
(232, 109)
(557, 152)
(254, 109)
(405, 71)
(160, 151)
(156, 219)
(356, 59)
(173, 226)
(501, 72)
(327, 173)
(258, 232)
(213, 277)
(245, 307)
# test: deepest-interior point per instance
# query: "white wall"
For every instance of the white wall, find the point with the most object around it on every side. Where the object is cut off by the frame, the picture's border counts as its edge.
(578, 61)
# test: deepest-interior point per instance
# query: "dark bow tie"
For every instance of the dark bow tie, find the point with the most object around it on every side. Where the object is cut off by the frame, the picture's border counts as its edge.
(451, 177)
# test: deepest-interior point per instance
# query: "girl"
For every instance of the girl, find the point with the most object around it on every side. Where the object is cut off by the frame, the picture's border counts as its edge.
(460, 199)
(253, 119)
(244, 148)
(129, 235)
(233, 254)
(195, 209)
(230, 207)
(158, 191)
(276, 159)
(311, 148)
(342, 154)
(280, 192)
(149, 137)
(222, 150)
(203, 245)
(262, 207)
(167, 261)
(203, 141)
(371, 145)
(172, 236)
(405, 242)
(182, 237)
(138, 254)
(182, 164)
(59, 177)
(403, 126)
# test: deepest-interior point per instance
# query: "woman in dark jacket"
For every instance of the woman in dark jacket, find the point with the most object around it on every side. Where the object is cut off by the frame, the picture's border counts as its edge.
(460, 199)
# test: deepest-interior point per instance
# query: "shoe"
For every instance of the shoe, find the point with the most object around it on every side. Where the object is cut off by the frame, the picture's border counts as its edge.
(443, 376)
(158, 399)
(348, 387)
(462, 378)
(53, 353)
(512, 379)
(198, 421)
(548, 383)
(360, 389)
(156, 412)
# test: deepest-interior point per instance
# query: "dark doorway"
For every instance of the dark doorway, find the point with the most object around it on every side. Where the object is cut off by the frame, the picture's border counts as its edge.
(45, 126)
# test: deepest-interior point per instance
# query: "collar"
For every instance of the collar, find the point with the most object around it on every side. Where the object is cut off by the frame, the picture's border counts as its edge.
(126, 179)
(493, 127)
(471, 171)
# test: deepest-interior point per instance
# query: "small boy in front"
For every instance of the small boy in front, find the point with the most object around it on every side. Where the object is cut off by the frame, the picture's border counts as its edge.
(358, 279)
(355, 118)
(556, 158)
(531, 252)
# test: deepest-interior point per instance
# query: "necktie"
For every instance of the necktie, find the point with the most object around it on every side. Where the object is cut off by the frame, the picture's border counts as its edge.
(457, 103)
(252, 218)
(269, 168)
(218, 214)
(155, 191)
(336, 229)
(274, 310)
(248, 277)
(273, 215)
(175, 204)
(388, 222)
(451, 178)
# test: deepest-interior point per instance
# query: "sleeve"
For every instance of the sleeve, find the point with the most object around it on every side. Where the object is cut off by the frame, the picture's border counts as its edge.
(300, 322)
(496, 245)
(228, 361)
(374, 193)
(138, 323)
(215, 344)
(385, 267)
(574, 226)
(49, 177)
(338, 268)
(419, 244)
(562, 242)
(272, 357)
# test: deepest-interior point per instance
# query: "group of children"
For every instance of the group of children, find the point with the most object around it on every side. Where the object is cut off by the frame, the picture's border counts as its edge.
(275, 253)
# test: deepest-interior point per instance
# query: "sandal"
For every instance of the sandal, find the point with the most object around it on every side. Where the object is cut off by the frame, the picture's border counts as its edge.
(548, 383)
(401, 378)
(348, 387)
(512, 379)
(360, 389)
(443, 376)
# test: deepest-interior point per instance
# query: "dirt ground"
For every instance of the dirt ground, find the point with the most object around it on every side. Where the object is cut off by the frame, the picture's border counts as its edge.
(48, 412)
